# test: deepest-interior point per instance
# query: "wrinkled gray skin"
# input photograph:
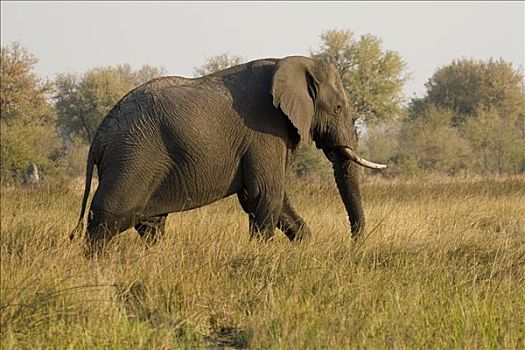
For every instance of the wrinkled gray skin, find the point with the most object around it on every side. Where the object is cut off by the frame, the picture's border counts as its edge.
(175, 144)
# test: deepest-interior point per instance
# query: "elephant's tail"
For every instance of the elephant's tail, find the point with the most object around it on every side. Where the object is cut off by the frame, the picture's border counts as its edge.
(87, 189)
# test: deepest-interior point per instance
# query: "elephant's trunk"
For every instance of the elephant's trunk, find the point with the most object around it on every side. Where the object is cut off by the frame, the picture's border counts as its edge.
(347, 179)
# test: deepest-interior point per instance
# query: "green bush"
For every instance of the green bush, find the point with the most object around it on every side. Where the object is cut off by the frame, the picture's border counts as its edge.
(308, 162)
(21, 145)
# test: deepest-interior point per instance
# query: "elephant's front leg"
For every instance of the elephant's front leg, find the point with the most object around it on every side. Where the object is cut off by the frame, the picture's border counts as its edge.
(263, 215)
(263, 193)
(152, 229)
(292, 225)
(263, 212)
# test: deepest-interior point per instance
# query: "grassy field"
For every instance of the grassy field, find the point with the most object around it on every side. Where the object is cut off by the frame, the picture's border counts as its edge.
(443, 266)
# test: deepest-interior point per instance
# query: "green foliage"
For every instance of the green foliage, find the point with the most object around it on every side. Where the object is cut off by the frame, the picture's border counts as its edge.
(22, 145)
(15, 153)
(81, 103)
(217, 63)
(27, 119)
(472, 118)
(23, 96)
(379, 142)
(71, 160)
(307, 161)
(474, 113)
(467, 86)
(497, 143)
(372, 76)
(432, 144)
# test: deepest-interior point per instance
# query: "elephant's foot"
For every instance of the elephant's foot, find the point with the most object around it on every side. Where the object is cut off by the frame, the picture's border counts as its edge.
(262, 233)
(152, 229)
(96, 241)
(294, 230)
(102, 227)
(292, 225)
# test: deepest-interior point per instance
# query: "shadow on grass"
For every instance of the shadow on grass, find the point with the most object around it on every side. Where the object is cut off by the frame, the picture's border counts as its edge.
(228, 337)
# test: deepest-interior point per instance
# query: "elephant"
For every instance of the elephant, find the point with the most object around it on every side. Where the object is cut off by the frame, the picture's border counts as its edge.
(175, 144)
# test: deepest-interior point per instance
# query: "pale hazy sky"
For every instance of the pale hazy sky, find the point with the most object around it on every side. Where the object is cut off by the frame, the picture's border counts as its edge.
(76, 36)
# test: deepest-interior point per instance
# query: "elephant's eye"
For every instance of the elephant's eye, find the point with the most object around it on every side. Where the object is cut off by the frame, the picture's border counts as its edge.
(338, 109)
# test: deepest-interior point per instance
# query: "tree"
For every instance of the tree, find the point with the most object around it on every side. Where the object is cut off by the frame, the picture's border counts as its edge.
(432, 144)
(308, 162)
(467, 86)
(497, 144)
(372, 76)
(217, 63)
(381, 143)
(27, 119)
(81, 103)
(23, 96)
(485, 101)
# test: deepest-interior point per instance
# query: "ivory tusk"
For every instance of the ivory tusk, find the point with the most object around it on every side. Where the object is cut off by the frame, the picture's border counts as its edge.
(361, 161)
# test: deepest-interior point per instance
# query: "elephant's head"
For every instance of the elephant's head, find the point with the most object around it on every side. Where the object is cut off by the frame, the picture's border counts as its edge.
(312, 96)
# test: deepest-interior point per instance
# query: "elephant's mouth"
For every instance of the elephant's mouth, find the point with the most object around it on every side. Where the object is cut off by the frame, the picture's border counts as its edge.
(339, 153)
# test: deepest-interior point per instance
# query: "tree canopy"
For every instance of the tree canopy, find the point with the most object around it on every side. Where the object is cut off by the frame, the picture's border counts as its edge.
(27, 118)
(471, 118)
(480, 106)
(23, 96)
(217, 63)
(373, 77)
(468, 86)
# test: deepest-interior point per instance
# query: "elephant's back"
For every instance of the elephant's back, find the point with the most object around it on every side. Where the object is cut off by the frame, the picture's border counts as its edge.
(158, 84)
(137, 106)
(166, 116)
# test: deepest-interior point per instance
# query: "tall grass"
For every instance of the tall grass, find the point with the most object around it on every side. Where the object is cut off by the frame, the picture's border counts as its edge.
(442, 266)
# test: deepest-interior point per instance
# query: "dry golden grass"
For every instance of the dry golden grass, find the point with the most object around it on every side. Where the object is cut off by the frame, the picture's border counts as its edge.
(443, 266)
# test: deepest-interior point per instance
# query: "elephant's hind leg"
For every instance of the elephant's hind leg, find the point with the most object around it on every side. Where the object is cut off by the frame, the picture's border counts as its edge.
(102, 227)
(152, 229)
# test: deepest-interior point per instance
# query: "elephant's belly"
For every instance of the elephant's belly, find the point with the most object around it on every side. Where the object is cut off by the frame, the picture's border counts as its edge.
(200, 198)
(180, 193)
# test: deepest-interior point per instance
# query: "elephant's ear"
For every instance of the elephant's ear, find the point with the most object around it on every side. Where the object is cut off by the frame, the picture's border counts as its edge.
(293, 88)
